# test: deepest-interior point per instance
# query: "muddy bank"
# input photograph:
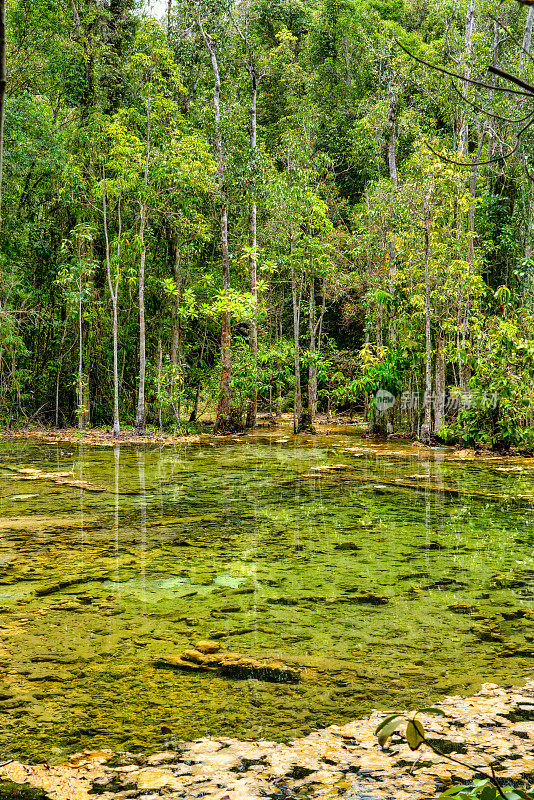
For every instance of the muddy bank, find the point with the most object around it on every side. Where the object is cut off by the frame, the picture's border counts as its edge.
(495, 726)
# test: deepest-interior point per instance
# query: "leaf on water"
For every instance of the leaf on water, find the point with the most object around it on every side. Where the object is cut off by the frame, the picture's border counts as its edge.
(415, 734)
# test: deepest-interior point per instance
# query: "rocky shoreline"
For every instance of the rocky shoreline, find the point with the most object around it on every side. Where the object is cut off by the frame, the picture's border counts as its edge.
(494, 727)
(394, 445)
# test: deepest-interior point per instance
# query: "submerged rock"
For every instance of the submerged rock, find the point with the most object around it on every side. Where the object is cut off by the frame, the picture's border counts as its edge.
(329, 468)
(231, 665)
(22, 791)
(207, 646)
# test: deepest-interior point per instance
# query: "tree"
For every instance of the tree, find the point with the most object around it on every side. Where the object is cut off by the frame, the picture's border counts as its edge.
(224, 408)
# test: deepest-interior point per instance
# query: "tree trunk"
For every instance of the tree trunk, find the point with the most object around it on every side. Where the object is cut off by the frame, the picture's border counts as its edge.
(472, 192)
(2, 92)
(527, 38)
(312, 369)
(140, 421)
(392, 164)
(81, 410)
(426, 428)
(175, 334)
(160, 364)
(252, 409)
(492, 129)
(469, 27)
(176, 349)
(439, 405)
(224, 408)
(113, 292)
(297, 404)
(169, 11)
(194, 410)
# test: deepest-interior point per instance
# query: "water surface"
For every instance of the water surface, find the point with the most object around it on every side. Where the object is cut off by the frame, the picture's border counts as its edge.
(392, 582)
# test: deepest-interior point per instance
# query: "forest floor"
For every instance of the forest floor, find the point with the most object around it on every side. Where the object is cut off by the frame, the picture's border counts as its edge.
(103, 437)
(495, 726)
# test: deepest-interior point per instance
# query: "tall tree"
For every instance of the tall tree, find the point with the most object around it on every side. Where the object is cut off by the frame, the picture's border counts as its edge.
(2, 92)
(224, 407)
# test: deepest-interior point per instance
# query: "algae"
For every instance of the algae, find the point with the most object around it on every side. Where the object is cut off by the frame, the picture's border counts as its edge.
(368, 592)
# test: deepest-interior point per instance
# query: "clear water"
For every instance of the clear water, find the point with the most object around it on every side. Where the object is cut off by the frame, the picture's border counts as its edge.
(242, 538)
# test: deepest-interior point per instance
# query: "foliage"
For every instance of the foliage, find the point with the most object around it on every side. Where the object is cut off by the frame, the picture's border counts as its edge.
(352, 173)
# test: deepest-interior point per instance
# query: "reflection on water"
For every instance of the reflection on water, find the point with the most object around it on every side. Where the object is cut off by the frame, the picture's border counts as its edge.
(392, 581)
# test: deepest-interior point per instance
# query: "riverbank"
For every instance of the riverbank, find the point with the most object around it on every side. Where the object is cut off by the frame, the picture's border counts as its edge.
(396, 446)
(493, 727)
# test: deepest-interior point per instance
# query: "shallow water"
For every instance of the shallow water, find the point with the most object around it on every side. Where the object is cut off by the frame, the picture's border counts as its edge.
(243, 539)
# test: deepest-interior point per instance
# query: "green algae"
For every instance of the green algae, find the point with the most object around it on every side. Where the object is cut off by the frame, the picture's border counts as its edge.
(385, 597)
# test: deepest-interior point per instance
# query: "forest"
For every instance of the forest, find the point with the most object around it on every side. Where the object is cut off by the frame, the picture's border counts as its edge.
(298, 206)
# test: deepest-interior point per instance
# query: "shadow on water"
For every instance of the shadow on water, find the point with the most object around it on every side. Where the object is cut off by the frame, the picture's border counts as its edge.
(389, 582)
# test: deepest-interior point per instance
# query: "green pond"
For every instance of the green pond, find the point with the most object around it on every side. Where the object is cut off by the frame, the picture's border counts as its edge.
(399, 579)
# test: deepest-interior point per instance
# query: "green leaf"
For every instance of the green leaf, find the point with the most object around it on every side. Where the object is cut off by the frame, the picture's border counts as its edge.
(385, 722)
(415, 734)
(388, 729)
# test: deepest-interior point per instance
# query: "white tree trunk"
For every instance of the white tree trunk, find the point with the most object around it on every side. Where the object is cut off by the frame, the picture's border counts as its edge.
(527, 38)
(140, 421)
(224, 408)
(113, 290)
(252, 410)
(469, 28)
(426, 428)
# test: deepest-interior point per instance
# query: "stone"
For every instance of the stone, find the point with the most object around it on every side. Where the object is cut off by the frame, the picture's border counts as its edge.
(162, 758)
(193, 655)
(232, 665)
(157, 779)
(175, 662)
(208, 646)
(347, 546)
(465, 453)
(329, 467)
(23, 791)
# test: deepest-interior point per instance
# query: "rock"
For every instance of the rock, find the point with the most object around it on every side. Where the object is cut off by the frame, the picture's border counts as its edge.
(157, 779)
(232, 665)
(516, 650)
(366, 597)
(22, 791)
(193, 655)
(347, 546)
(283, 601)
(461, 608)
(42, 674)
(329, 468)
(175, 662)
(162, 758)
(515, 614)
(207, 646)
(466, 453)
(262, 671)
